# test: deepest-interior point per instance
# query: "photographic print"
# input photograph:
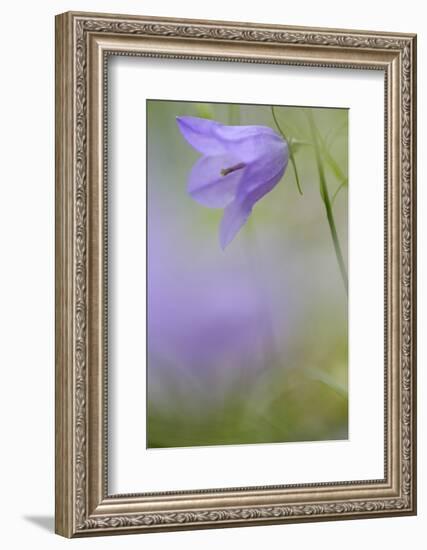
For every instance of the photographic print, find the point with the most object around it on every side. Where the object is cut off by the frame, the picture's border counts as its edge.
(247, 242)
(235, 274)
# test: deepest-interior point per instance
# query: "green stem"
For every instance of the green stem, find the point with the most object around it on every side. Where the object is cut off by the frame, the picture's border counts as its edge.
(292, 159)
(330, 159)
(338, 189)
(327, 202)
(291, 154)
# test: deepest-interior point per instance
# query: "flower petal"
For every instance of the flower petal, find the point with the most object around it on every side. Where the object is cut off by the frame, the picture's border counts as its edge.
(208, 186)
(238, 133)
(238, 211)
(200, 134)
(251, 142)
(264, 172)
(235, 215)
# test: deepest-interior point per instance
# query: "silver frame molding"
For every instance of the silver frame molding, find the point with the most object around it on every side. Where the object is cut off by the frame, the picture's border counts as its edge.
(83, 43)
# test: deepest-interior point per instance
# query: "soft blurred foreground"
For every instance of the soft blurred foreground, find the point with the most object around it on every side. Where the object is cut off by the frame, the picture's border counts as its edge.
(250, 344)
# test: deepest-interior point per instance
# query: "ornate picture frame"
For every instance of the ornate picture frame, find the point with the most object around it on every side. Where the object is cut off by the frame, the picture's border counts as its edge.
(84, 42)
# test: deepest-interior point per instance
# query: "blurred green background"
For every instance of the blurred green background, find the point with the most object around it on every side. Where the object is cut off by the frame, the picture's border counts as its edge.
(250, 344)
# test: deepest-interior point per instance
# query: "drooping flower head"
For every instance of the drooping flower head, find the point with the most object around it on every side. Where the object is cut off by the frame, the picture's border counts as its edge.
(238, 166)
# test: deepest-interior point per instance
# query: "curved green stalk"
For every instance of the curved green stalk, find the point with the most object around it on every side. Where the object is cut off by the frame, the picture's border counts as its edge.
(338, 189)
(291, 154)
(327, 202)
(330, 159)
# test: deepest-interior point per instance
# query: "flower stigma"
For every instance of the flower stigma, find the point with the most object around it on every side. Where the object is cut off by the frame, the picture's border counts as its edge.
(234, 168)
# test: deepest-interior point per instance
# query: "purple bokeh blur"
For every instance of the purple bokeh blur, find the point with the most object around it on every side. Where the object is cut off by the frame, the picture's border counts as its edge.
(212, 317)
